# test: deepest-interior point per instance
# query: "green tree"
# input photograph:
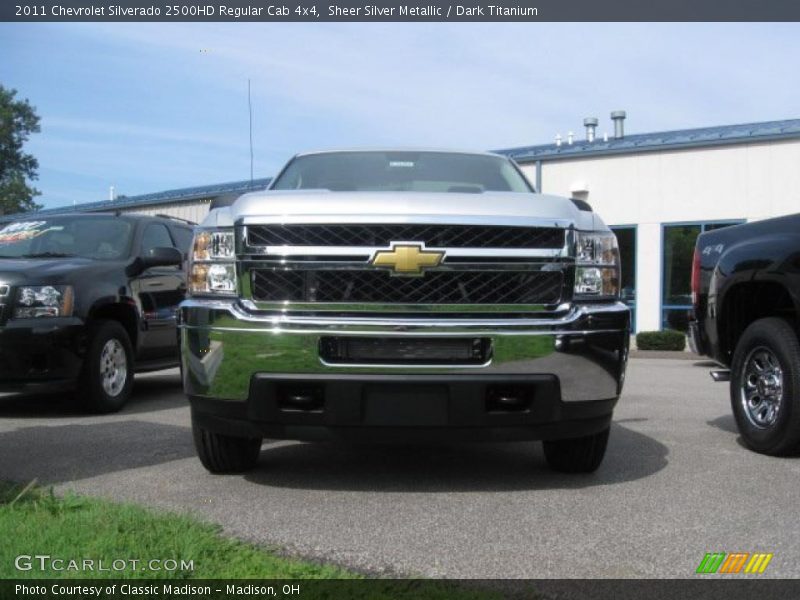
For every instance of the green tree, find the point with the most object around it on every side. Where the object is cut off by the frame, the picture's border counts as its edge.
(18, 120)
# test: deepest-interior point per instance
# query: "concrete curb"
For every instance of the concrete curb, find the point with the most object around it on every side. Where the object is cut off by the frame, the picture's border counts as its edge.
(681, 355)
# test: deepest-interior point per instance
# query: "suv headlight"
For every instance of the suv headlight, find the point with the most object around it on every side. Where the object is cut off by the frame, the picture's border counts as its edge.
(212, 269)
(596, 265)
(34, 301)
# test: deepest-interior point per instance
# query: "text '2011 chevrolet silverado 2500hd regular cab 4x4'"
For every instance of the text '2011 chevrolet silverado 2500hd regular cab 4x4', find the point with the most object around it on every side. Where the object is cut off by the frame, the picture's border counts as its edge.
(402, 296)
(746, 293)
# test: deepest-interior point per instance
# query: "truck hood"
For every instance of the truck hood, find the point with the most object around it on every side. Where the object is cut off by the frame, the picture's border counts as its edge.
(498, 208)
(22, 271)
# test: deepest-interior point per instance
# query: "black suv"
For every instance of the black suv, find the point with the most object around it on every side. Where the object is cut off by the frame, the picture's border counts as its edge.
(86, 300)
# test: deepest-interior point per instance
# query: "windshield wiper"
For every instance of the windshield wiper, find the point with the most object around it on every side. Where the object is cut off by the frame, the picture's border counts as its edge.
(48, 255)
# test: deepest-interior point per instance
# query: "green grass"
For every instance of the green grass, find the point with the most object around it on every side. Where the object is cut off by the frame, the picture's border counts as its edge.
(34, 521)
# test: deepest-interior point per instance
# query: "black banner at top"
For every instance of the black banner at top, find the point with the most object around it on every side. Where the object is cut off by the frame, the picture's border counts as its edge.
(398, 10)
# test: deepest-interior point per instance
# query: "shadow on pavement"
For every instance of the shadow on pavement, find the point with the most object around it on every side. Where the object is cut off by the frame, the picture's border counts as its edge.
(725, 423)
(58, 453)
(707, 364)
(156, 391)
(463, 467)
(151, 392)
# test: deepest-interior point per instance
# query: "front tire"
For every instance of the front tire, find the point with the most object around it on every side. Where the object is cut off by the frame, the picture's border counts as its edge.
(225, 453)
(765, 387)
(107, 378)
(577, 455)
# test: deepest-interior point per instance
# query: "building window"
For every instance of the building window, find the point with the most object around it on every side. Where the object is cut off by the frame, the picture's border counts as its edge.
(626, 238)
(677, 253)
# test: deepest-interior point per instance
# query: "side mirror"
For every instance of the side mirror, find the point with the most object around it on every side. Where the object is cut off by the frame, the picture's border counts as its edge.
(161, 257)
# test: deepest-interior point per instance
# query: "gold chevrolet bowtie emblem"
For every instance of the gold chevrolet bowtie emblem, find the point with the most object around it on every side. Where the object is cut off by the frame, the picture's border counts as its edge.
(407, 258)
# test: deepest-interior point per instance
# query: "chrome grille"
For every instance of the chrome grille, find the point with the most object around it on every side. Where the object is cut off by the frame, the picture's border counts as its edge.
(379, 287)
(437, 235)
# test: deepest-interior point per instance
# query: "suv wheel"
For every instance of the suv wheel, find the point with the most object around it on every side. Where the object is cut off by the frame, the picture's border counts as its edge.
(225, 453)
(108, 368)
(765, 387)
(577, 455)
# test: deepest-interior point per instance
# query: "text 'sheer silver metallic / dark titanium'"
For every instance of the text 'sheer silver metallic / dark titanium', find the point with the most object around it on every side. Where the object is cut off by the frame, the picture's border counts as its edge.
(398, 296)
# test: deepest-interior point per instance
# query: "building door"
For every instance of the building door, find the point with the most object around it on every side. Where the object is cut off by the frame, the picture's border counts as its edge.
(676, 255)
(626, 238)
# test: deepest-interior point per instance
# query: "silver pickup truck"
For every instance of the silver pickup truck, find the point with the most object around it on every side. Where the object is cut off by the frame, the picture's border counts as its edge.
(402, 296)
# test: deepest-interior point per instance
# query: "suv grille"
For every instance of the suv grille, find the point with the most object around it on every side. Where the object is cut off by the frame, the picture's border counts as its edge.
(436, 236)
(436, 287)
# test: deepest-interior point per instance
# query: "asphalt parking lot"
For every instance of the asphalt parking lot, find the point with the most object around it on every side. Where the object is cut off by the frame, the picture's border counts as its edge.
(676, 483)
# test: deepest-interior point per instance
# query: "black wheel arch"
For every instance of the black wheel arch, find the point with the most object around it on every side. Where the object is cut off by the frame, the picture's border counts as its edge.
(748, 301)
(116, 309)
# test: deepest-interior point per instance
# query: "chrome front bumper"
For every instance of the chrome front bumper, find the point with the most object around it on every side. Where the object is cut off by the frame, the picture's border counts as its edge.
(224, 346)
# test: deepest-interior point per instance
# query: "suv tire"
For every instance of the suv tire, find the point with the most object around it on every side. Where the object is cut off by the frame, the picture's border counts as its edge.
(765, 387)
(225, 453)
(107, 377)
(577, 455)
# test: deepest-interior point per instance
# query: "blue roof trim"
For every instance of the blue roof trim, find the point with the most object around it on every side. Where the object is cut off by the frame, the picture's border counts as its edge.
(665, 140)
(165, 197)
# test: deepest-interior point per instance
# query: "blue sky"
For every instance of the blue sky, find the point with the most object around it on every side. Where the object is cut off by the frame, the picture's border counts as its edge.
(149, 107)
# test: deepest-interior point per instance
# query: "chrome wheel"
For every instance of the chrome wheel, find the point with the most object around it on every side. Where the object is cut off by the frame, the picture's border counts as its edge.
(761, 388)
(113, 367)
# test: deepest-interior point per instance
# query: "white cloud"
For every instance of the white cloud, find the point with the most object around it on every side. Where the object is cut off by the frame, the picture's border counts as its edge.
(476, 85)
(66, 126)
(160, 104)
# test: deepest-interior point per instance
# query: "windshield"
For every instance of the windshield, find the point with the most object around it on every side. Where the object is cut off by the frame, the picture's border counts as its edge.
(102, 238)
(402, 172)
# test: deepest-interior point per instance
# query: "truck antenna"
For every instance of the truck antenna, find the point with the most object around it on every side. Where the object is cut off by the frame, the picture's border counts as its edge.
(250, 112)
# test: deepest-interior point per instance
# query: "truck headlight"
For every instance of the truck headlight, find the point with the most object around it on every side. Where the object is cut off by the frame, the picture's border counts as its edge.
(213, 245)
(596, 265)
(43, 301)
(212, 269)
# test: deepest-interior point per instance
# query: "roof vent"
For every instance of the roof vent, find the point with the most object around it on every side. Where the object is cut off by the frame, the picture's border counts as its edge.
(618, 116)
(558, 139)
(591, 126)
(570, 138)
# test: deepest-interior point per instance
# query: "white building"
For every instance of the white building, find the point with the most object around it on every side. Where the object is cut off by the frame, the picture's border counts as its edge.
(659, 190)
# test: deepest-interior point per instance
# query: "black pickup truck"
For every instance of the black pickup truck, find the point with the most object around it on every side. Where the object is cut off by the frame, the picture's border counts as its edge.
(746, 294)
(86, 300)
